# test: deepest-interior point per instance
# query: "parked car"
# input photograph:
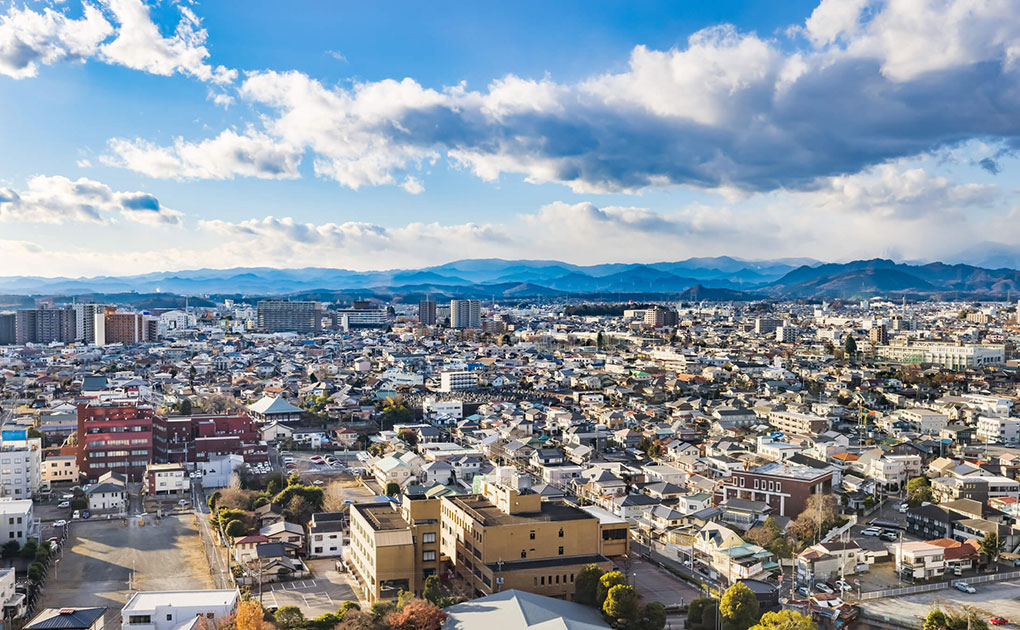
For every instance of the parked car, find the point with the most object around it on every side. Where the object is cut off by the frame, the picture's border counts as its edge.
(998, 621)
(888, 536)
(60, 523)
(843, 586)
(86, 514)
(183, 503)
(871, 531)
(966, 588)
(63, 505)
(76, 515)
(824, 588)
(803, 590)
(904, 508)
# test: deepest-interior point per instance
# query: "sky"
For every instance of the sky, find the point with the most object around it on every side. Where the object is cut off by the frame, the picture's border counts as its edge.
(140, 136)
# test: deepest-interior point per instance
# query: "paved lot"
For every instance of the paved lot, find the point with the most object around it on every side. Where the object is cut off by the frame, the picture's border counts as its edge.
(655, 584)
(323, 594)
(103, 562)
(993, 598)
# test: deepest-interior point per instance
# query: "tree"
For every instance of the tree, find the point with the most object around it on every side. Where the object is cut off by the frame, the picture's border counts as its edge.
(184, 406)
(11, 549)
(622, 605)
(918, 491)
(289, 618)
(434, 594)
(249, 615)
(235, 529)
(347, 607)
(850, 346)
(710, 614)
(653, 617)
(28, 551)
(213, 498)
(357, 620)
(739, 607)
(936, 620)
(990, 546)
(409, 437)
(696, 611)
(392, 489)
(299, 509)
(607, 582)
(417, 615)
(759, 536)
(36, 571)
(586, 584)
(785, 620)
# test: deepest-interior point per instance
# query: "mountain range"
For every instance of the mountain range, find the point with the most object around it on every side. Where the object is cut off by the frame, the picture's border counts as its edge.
(719, 278)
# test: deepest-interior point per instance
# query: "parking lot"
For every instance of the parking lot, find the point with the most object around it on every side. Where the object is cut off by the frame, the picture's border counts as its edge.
(326, 592)
(103, 561)
(655, 584)
(991, 598)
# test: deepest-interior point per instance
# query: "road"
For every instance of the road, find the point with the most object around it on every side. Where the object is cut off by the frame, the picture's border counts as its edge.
(217, 565)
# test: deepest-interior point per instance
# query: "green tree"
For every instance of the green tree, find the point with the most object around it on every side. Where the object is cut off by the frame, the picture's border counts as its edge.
(36, 571)
(346, 607)
(235, 529)
(653, 617)
(606, 583)
(622, 605)
(28, 551)
(11, 549)
(434, 593)
(696, 611)
(213, 498)
(586, 584)
(739, 607)
(289, 618)
(710, 614)
(936, 620)
(990, 546)
(918, 490)
(392, 489)
(785, 620)
(850, 346)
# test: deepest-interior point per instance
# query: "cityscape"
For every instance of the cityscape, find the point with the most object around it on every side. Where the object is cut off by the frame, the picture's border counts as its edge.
(531, 316)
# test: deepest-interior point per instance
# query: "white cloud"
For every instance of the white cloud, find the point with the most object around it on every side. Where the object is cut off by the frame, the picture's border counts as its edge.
(230, 154)
(29, 38)
(56, 199)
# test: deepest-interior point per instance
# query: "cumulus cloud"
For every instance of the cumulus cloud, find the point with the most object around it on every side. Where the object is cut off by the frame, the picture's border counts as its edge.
(56, 199)
(248, 154)
(862, 82)
(119, 32)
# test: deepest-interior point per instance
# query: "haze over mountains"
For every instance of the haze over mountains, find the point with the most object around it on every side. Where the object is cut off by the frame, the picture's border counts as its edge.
(722, 278)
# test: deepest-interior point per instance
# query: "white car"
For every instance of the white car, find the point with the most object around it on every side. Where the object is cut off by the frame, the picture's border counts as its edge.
(966, 588)
(76, 515)
(871, 531)
(60, 523)
(63, 505)
(904, 508)
(843, 586)
(824, 588)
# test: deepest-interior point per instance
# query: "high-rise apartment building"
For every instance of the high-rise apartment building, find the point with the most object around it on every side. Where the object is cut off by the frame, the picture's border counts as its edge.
(878, 335)
(114, 437)
(8, 328)
(465, 313)
(658, 316)
(289, 316)
(427, 312)
(44, 325)
(90, 323)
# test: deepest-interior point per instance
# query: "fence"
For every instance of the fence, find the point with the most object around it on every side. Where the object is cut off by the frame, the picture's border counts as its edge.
(937, 586)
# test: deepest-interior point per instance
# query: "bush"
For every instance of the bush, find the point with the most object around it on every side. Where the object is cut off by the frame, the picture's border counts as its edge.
(235, 529)
(606, 583)
(79, 503)
(586, 584)
(622, 605)
(289, 618)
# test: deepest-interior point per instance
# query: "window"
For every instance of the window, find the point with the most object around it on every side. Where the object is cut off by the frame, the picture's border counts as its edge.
(208, 615)
(524, 554)
(428, 537)
(557, 579)
(561, 532)
(741, 482)
(560, 551)
(169, 617)
(532, 535)
(139, 619)
(428, 555)
(543, 580)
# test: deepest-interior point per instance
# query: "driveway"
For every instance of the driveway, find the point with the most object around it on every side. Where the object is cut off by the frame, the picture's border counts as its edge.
(324, 593)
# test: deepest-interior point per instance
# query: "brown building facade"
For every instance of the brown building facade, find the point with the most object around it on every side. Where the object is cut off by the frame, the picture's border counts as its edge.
(785, 487)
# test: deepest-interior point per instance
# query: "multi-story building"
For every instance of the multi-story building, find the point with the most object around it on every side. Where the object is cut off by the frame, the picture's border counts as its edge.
(166, 479)
(764, 325)
(199, 438)
(927, 420)
(394, 549)
(289, 316)
(508, 538)
(786, 333)
(57, 468)
(128, 328)
(427, 312)
(362, 314)
(998, 430)
(658, 316)
(878, 336)
(326, 535)
(44, 325)
(457, 381)
(465, 313)
(8, 329)
(955, 356)
(784, 486)
(114, 437)
(90, 323)
(169, 610)
(920, 560)
(20, 464)
(17, 521)
(800, 423)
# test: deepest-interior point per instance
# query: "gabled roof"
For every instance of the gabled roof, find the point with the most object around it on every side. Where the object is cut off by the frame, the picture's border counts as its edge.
(271, 405)
(65, 618)
(518, 610)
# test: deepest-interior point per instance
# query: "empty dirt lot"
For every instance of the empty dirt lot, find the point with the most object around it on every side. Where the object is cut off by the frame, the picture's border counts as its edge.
(104, 561)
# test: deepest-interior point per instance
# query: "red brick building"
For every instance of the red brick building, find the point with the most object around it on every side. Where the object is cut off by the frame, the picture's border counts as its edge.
(181, 439)
(114, 438)
(785, 487)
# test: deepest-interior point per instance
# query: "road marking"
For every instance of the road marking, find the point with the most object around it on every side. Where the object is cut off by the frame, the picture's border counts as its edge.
(329, 598)
(304, 598)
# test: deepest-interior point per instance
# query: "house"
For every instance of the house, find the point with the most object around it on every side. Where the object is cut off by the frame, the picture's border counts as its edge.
(244, 547)
(108, 494)
(17, 521)
(325, 535)
(391, 469)
(67, 619)
(691, 503)
(291, 535)
(519, 610)
(547, 457)
(268, 514)
(920, 560)
(165, 479)
(177, 610)
(273, 409)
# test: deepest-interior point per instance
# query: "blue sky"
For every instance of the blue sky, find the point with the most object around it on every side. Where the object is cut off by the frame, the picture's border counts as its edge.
(166, 135)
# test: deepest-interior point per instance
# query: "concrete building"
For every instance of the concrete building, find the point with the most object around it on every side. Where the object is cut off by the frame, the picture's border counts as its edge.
(465, 313)
(44, 325)
(177, 610)
(8, 329)
(998, 430)
(20, 464)
(289, 316)
(58, 468)
(955, 356)
(394, 548)
(457, 381)
(114, 437)
(17, 521)
(160, 479)
(927, 420)
(427, 312)
(363, 314)
(800, 423)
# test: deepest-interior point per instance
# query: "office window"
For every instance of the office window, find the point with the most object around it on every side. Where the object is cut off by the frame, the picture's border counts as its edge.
(428, 537)
(560, 552)
(561, 532)
(532, 535)
(169, 617)
(524, 554)
(428, 556)
(543, 580)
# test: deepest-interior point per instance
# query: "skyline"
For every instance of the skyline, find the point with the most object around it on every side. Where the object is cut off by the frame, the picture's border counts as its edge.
(182, 136)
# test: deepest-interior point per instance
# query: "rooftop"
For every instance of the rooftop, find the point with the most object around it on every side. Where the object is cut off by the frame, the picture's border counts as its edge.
(483, 511)
(151, 600)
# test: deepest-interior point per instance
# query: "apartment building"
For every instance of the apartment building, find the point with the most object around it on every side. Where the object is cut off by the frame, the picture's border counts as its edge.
(920, 560)
(800, 423)
(44, 325)
(785, 487)
(508, 538)
(20, 464)
(394, 549)
(927, 420)
(998, 430)
(465, 314)
(17, 521)
(427, 312)
(457, 381)
(289, 316)
(128, 328)
(174, 610)
(58, 468)
(162, 479)
(114, 437)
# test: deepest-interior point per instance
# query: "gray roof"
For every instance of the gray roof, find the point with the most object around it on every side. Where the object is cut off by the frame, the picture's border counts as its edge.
(517, 610)
(65, 618)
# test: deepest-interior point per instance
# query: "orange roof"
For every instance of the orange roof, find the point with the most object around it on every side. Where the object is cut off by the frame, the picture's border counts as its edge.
(846, 457)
